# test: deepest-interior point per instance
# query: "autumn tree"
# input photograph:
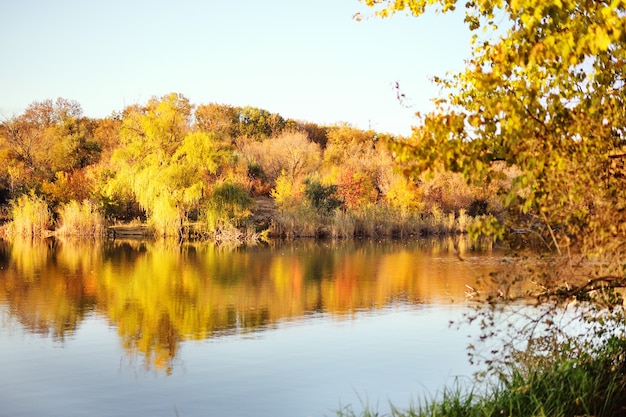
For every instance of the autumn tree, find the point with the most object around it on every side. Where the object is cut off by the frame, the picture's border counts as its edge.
(231, 122)
(290, 152)
(346, 144)
(220, 119)
(314, 132)
(49, 137)
(163, 163)
(67, 186)
(356, 189)
(46, 128)
(106, 135)
(259, 123)
(544, 95)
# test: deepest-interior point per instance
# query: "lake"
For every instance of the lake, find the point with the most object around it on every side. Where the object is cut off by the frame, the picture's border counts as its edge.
(140, 328)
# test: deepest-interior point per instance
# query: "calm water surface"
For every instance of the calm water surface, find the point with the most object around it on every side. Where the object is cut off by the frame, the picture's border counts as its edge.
(133, 328)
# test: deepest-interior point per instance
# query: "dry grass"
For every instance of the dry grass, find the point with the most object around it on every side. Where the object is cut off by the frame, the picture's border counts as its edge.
(80, 219)
(299, 222)
(30, 217)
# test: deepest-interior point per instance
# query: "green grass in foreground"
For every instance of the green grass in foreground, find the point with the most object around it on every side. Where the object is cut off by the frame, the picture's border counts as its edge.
(592, 384)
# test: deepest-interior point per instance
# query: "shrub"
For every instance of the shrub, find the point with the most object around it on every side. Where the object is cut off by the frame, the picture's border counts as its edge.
(321, 197)
(356, 188)
(291, 153)
(288, 192)
(448, 191)
(404, 195)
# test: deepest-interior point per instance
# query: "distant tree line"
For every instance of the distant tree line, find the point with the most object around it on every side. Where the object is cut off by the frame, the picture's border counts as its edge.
(180, 167)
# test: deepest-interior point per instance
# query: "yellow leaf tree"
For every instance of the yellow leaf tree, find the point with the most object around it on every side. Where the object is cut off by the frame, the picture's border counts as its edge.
(544, 94)
(163, 162)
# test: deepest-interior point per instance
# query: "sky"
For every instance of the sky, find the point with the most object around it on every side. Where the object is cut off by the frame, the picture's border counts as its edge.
(306, 60)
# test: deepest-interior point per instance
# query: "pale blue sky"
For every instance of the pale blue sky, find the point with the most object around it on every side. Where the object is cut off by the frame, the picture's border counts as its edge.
(307, 60)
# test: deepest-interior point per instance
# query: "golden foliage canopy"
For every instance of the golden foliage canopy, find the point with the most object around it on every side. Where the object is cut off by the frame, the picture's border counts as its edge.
(545, 94)
(163, 162)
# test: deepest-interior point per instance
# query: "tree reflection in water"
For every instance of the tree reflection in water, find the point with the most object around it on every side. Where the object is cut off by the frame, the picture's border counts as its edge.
(158, 294)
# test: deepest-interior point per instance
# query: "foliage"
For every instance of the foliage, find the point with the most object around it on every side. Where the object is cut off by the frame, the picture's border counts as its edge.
(220, 119)
(361, 151)
(291, 152)
(49, 137)
(67, 186)
(348, 144)
(159, 162)
(404, 195)
(543, 94)
(355, 188)
(106, 136)
(228, 205)
(259, 123)
(543, 98)
(321, 197)
(288, 192)
(164, 163)
(315, 133)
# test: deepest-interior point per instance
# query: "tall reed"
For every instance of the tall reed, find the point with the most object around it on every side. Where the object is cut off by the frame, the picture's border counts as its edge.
(367, 221)
(298, 222)
(30, 216)
(343, 225)
(80, 219)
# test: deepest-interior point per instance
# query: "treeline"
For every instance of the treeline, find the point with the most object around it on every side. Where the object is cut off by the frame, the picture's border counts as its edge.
(215, 171)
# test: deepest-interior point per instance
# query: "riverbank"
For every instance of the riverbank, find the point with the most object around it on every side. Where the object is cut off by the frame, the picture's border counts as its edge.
(566, 382)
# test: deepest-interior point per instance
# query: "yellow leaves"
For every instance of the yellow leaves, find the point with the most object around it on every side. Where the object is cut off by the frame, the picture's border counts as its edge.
(200, 152)
(288, 192)
(404, 195)
(164, 163)
(474, 120)
(602, 39)
(160, 125)
(542, 98)
(415, 7)
(527, 20)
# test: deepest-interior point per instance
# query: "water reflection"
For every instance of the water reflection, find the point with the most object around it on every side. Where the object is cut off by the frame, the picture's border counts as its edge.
(158, 294)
